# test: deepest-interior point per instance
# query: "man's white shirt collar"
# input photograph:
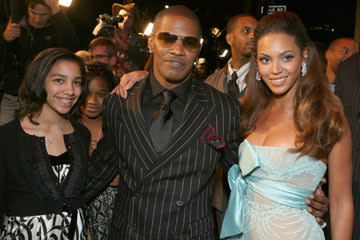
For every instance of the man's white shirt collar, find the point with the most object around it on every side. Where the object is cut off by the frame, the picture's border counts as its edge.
(241, 73)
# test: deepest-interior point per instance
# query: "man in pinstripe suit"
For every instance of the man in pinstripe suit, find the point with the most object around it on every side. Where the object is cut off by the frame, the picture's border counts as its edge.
(347, 87)
(166, 194)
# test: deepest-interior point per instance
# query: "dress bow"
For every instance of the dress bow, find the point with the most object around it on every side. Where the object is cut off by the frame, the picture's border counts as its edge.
(234, 218)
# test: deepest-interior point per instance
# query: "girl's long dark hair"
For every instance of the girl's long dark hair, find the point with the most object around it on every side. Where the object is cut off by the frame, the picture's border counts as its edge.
(32, 94)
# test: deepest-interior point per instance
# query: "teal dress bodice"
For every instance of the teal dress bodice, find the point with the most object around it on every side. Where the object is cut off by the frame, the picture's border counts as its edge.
(269, 187)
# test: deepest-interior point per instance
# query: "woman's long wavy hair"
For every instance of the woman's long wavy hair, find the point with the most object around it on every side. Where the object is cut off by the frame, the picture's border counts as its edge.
(318, 113)
(32, 93)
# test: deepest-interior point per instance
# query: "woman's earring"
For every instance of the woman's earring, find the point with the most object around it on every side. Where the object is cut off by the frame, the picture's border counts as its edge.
(258, 77)
(303, 69)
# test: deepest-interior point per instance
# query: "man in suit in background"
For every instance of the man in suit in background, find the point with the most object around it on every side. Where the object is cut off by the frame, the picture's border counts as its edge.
(240, 36)
(231, 80)
(166, 139)
(347, 88)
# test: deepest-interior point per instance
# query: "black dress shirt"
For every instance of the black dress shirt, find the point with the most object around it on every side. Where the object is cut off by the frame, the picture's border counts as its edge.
(152, 99)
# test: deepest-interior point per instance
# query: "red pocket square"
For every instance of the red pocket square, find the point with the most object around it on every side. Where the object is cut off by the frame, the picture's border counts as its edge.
(209, 136)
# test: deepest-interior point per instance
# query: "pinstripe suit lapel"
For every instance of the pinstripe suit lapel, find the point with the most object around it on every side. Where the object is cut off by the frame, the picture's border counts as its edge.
(198, 110)
(136, 126)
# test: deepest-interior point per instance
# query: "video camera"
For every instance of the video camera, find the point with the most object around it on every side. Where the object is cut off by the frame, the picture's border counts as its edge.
(110, 20)
(106, 24)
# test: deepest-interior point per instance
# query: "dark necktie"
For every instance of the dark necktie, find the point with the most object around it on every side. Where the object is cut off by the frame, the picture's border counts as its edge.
(162, 123)
(232, 86)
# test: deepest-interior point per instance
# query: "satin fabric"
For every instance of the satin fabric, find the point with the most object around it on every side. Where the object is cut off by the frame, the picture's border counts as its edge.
(240, 179)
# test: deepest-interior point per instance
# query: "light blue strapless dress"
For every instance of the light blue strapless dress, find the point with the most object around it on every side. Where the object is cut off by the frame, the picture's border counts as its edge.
(268, 192)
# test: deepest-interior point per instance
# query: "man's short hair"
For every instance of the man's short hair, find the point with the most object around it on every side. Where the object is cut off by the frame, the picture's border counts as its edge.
(232, 20)
(177, 10)
(32, 3)
(109, 43)
(336, 41)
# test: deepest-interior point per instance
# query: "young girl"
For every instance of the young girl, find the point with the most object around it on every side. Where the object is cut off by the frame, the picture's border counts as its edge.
(43, 156)
(99, 82)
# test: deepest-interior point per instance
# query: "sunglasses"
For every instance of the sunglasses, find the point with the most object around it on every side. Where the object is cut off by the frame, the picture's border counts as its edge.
(168, 40)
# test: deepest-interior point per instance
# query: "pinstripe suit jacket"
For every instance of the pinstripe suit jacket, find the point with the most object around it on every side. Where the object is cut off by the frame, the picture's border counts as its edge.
(347, 87)
(166, 195)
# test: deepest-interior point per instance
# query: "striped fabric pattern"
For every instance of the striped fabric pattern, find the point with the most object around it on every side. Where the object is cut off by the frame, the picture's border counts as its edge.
(166, 195)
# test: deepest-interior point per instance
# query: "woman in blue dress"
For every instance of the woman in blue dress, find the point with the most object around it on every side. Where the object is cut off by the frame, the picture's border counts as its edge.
(293, 128)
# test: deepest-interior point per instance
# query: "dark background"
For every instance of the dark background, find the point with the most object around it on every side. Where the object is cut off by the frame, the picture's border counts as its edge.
(324, 21)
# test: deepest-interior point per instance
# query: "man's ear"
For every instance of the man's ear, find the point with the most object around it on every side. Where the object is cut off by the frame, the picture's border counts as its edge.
(228, 38)
(150, 43)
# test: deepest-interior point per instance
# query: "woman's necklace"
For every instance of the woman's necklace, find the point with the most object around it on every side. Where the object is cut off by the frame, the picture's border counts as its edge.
(49, 141)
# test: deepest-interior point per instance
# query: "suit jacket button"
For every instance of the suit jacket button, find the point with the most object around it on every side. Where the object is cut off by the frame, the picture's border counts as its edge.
(124, 164)
(179, 203)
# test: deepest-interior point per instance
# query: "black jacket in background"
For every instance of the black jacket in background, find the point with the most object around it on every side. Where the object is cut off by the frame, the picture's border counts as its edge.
(18, 54)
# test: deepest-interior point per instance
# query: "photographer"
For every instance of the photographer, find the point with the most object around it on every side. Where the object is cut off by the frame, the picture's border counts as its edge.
(43, 27)
(130, 45)
(106, 25)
